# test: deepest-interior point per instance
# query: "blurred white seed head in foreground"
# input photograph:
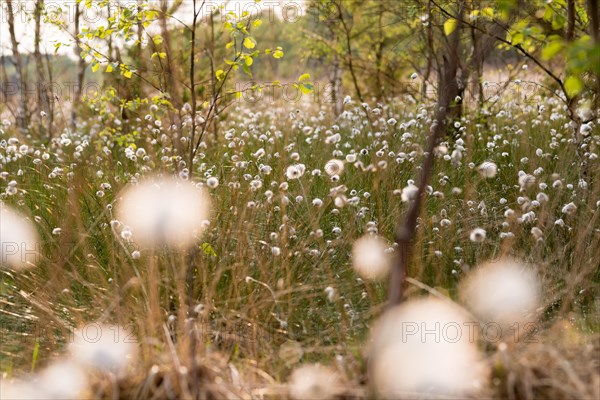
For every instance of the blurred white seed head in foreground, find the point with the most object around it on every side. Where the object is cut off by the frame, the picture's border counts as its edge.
(369, 257)
(505, 292)
(424, 348)
(164, 210)
(19, 240)
(105, 347)
(60, 380)
(314, 382)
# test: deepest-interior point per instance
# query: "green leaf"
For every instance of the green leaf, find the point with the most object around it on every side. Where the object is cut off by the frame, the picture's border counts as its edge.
(35, 356)
(249, 42)
(517, 39)
(306, 88)
(573, 86)
(488, 12)
(208, 250)
(552, 49)
(450, 25)
(247, 70)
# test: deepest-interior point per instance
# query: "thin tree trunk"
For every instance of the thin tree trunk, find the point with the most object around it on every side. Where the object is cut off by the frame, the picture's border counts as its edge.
(570, 20)
(171, 78)
(50, 98)
(350, 55)
(212, 74)
(42, 95)
(594, 16)
(22, 114)
(430, 53)
(407, 229)
(80, 68)
(379, 54)
(336, 84)
(138, 54)
(193, 87)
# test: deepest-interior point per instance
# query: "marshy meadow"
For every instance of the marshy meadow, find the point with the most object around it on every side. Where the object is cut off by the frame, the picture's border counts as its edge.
(304, 199)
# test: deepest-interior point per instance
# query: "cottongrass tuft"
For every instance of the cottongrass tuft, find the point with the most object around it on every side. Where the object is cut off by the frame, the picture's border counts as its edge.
(506, 292)
(334, 167)
(314, 382)
(295, 171)
(60, 380)
(164, 211)
(477, 235)
(409, 193)
(406, 363)
(19, 240)
(488, 169)
(569, 208)
(369, 257)
(109, 348)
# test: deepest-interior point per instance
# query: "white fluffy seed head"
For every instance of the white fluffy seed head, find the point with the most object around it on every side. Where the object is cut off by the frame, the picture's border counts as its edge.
(526, 181)
(423, 349)
(63, 380)
(104, 347)
(314, 382)
(477, 235)
(19, 241)
(488, 169)
(59, 380)
(369, 257)
(212, 182)
(409, 193)
(295, 171)
(569, 208)
(334, 167)
(505, 292)
(164, 210)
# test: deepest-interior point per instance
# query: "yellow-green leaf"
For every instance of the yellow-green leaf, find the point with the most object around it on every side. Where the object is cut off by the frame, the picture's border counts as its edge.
(249, 42)
(95, 66)
(249, 61)
(573, 86)
(306, 88)
(208, 250)
(552, 49)
(304, 77)
(220, 74)
(256, 23)
(517, 39)
(127, 74)
(488, 12)
(277, 54)
(450, 25)
(109, 68)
